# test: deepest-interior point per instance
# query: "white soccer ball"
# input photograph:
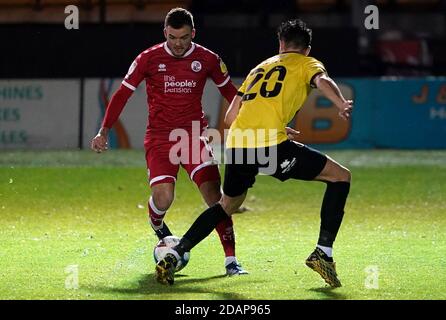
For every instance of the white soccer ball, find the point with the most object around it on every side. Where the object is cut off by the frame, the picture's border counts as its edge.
(161, 247)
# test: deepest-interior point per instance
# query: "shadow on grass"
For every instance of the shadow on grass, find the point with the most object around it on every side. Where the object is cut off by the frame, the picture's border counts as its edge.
(147, 285)
(328, 293)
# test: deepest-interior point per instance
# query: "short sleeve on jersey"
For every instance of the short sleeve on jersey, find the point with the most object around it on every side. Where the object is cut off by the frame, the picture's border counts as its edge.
(312, 68)
(241, 90)
(135, 74)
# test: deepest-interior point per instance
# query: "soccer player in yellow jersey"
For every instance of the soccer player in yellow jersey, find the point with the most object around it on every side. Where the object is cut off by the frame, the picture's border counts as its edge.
(258, 141)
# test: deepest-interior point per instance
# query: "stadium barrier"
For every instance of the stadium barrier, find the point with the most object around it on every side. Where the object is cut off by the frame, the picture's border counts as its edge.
(65, 114)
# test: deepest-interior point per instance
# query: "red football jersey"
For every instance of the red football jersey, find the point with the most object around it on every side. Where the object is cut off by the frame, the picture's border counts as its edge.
(175, 85)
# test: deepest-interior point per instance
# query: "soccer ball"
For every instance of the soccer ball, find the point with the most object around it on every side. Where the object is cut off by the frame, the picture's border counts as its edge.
(160, 251)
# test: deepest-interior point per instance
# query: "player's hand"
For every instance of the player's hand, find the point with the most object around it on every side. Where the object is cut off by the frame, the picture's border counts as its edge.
(291, 133)
(99, 143)
(346, 110)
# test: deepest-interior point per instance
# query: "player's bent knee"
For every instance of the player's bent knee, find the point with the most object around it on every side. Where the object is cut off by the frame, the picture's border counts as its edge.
(347, 175)
(334, 172)
(228, 207)
(162, 200)
(342, 175)
(211, 199)
(211, 192)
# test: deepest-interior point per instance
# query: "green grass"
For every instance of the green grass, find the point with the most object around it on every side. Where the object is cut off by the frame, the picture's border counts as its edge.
(60, 209)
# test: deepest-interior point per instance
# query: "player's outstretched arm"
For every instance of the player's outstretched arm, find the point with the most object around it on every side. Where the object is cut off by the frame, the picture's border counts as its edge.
(100, 142)
(118, 101)
(331, 90)
(233, 110)
(228, 91)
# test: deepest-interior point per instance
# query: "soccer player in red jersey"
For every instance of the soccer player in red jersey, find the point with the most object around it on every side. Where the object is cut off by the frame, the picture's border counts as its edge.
(175, 72)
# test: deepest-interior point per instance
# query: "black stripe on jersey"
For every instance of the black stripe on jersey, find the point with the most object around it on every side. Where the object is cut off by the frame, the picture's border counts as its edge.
(312, 84)
(239, 93)
(248, 96)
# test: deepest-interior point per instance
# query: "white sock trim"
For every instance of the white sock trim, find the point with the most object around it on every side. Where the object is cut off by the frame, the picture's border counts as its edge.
(154, 227)
(328, 250)
(230, 259)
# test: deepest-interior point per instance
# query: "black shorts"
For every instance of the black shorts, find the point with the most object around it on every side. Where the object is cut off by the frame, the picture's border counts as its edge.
(288, 160)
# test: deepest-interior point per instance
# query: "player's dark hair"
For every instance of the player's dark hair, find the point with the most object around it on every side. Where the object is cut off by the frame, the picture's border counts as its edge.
(179, 17)
(295, 33)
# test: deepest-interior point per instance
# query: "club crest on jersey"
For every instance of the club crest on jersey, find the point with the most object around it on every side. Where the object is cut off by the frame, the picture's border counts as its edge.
(161, 67)
(131, 69)
(223, 67)
(196, 66)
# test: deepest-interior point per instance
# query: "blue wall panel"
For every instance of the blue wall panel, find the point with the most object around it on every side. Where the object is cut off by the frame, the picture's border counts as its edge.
(390, 113)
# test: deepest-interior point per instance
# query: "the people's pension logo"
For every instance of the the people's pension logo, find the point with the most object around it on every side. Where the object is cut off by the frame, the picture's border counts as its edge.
(171, 85)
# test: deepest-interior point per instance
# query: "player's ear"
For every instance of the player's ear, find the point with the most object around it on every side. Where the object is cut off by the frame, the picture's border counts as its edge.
(165, 33)
(307, 50)
(193, 33)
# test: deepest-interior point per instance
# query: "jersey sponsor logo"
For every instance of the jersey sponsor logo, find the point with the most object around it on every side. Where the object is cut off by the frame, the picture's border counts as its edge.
(162, 67)
(195, 66)
(171, 85)
(131, 69)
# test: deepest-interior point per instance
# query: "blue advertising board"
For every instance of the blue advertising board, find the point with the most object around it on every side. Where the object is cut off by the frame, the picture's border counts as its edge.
(388, 113)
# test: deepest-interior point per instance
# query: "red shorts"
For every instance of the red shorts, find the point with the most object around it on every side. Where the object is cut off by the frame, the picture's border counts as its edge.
(164, 158)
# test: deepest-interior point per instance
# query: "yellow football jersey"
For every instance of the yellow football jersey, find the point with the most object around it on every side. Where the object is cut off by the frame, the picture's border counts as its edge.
(272, 94)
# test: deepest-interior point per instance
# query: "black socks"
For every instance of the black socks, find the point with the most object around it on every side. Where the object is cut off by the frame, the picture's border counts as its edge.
(332, 211)
(201, 228)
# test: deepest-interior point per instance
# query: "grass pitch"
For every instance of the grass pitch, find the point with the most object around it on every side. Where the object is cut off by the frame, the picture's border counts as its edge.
(73, 226)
